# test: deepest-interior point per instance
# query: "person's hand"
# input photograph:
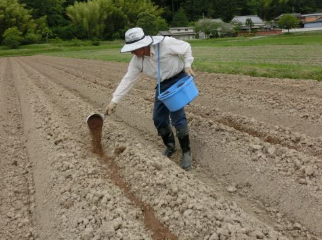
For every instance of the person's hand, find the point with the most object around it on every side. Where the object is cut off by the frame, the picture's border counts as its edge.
(110, 108)
(189, 71)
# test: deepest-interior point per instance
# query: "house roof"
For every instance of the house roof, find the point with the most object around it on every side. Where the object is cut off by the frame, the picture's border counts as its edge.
(297, 15)
(182, 33)
(312, 14)
(242, 19)
(217, 20)
(180, 28)
(165, 33)
(179, 31)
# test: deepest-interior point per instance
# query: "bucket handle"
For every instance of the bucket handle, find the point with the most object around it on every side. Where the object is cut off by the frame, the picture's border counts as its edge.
(159, 70)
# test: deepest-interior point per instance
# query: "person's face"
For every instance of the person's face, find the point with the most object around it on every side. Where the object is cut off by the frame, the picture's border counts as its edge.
(138, 52)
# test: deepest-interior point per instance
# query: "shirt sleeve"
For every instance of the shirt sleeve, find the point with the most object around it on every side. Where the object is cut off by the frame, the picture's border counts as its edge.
(181, 48)
(128, 81)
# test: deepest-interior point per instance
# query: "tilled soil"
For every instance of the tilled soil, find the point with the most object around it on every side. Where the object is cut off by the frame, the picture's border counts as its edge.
(256, 144)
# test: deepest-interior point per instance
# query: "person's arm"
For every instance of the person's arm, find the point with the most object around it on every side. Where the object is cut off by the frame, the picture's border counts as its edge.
(127, 82)
(124, 86)
(181, 48)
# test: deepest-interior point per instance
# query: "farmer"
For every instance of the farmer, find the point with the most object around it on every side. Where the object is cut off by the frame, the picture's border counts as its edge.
(145, 60)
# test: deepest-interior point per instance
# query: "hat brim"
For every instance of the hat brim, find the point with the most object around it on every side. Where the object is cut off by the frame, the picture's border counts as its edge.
(147, 41)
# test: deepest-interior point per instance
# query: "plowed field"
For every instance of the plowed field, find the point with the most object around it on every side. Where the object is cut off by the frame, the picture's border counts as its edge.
(256, 144)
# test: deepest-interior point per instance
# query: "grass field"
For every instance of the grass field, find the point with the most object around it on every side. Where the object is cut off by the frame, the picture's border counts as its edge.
(296, 56)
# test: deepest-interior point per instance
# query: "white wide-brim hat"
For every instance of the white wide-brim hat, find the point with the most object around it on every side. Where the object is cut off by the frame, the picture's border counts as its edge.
(136, 39)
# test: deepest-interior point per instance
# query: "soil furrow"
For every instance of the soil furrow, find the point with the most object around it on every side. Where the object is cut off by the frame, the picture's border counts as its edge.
(275, 135)
(82, 200)
(136, 190)
(296, 106)
(257, 170)
(251, 173)
(56, 78)
(152, 224)
(293, 87)
(280, 135)
(238, 96)
(296, 167)
(17, 188)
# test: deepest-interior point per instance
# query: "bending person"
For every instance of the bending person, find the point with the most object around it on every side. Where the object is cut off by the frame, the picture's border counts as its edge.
(145, 60)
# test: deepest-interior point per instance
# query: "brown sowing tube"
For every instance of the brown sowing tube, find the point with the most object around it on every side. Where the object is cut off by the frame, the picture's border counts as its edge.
(95, 124)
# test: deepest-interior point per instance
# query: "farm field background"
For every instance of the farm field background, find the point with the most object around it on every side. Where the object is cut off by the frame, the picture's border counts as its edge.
(295, 56)
(256, 145)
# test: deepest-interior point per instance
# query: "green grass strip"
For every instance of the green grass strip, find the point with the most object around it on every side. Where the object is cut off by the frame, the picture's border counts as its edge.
(295, 56)
(261, 70)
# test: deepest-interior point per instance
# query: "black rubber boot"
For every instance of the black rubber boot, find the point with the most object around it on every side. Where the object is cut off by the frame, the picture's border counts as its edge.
(183, 136)
(168, 140)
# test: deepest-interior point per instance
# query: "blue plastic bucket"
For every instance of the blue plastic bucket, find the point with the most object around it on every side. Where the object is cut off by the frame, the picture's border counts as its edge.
(179, 94)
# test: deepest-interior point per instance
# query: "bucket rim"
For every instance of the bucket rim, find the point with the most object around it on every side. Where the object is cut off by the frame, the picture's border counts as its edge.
(94, 114)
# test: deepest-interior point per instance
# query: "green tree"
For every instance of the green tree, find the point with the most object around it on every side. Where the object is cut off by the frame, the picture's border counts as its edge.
(151, 24)
(31, 38)
(72, 2)
(116, 23)
(41, 27)
(161, 24)
(227, 29)
(46, 34)
(89, 16)
(226, 10)
(148, 22)
(14, 14)
(55, 12)
(12, 37)
(264, 8)
(180, 19)
(197, 9)
(207, 26)
(237, 26)
(253, 6)
(249, 23)
(109, 19)
(288, 21)
(133, 8)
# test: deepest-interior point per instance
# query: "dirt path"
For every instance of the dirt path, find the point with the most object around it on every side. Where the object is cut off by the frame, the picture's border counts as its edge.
(256, 144)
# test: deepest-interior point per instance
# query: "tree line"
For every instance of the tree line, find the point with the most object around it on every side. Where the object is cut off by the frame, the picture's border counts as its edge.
(32, 21)
(226, 10)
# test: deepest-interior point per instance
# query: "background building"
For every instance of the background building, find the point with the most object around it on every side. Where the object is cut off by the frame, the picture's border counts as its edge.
(183, 33)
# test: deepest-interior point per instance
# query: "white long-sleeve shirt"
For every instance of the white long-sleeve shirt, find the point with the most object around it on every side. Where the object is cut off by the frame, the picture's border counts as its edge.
(171, 50)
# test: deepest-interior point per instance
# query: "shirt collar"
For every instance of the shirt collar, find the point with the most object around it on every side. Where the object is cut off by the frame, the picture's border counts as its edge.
(153, 49)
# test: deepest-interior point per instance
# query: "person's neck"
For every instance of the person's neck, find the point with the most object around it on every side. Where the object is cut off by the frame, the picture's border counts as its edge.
(147, 51)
